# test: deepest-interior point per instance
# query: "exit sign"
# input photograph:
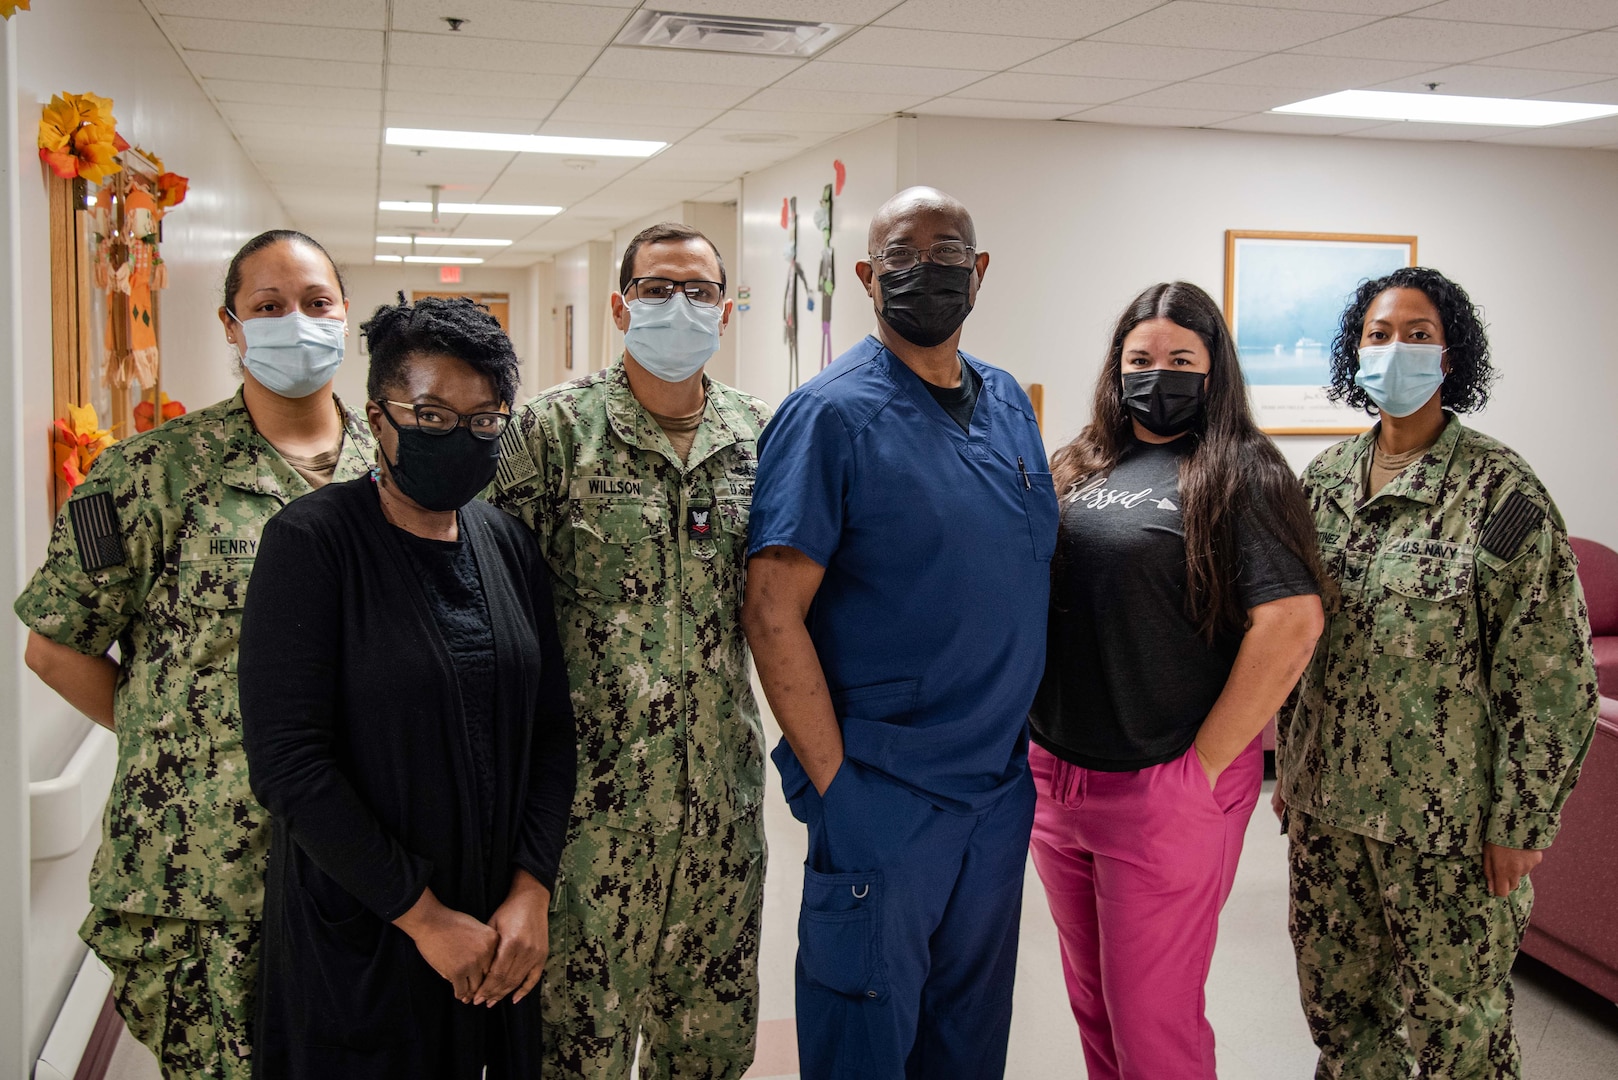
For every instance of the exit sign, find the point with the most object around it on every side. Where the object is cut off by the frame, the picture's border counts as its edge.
(449, 275)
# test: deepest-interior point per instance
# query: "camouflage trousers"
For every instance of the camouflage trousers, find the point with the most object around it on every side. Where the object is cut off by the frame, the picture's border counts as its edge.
(184, 988)
(1404, 959)
(656, 936)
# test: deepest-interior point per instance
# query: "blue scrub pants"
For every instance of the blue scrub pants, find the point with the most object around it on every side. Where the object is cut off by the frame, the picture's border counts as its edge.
(907, 937)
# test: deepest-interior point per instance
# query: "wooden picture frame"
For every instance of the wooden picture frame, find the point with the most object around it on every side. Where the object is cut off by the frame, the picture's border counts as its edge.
(1291, 287)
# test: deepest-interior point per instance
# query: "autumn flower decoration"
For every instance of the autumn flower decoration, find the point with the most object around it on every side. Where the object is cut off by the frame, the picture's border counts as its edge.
(171, 187)
(79, 440)
(8, 8)
(146, 413)
(78, 137)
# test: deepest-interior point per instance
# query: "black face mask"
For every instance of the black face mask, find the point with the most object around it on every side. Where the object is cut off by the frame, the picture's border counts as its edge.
(926, 303)
(1165, 401)
(442, 472)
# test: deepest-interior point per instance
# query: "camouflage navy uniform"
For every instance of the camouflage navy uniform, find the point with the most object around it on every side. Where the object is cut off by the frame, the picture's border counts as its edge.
(655, 920)
(153, 553)
(1449, 702)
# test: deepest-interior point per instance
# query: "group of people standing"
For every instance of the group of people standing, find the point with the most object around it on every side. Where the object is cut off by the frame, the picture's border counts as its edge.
(438, 754)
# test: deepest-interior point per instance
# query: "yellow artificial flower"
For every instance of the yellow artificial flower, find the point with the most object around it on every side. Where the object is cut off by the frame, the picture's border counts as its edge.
(8, 8)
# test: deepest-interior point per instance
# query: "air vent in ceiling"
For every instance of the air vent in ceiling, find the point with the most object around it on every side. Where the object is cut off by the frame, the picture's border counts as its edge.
(729, 33)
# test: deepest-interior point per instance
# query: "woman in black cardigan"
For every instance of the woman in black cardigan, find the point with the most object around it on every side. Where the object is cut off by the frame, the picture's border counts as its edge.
(408, 727)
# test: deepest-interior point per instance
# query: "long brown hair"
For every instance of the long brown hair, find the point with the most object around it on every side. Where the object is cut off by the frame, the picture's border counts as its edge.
(1233, 468)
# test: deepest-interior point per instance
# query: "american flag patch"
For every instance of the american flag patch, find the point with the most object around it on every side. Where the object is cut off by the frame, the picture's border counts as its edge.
(1509, 527)
(96, 531)
(516, 463)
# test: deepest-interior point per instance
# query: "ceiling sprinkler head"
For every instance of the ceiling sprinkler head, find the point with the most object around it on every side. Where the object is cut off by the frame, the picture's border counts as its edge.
(1433, 85)
(454, 23)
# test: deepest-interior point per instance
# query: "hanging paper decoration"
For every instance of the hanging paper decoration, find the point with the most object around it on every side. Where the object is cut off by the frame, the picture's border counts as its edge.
(8, 8)
(795, 276)
(79, 440)
(827, 279)
(78, 137)
(146, 415)
(128, 267)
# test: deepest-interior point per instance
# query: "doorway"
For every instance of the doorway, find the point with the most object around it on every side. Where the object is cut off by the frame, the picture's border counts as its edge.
(499, 304)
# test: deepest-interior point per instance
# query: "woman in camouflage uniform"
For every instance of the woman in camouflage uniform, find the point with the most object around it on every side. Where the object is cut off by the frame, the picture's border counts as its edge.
(152, 553)
(1440, 726)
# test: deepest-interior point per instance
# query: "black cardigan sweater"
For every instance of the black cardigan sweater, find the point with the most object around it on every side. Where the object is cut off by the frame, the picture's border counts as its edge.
(356, 744)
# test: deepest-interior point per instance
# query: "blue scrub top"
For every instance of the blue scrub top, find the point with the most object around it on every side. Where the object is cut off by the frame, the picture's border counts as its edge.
(930, 621)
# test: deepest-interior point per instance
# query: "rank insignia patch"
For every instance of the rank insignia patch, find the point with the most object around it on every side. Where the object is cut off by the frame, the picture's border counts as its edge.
(700, 521)
(96, 531)
(1509, 527)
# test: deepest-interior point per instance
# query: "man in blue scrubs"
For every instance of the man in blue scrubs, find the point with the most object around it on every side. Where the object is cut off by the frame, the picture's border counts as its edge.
(902, 526)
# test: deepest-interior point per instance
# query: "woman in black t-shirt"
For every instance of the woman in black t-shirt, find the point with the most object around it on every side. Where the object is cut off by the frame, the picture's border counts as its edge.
(1184, 606)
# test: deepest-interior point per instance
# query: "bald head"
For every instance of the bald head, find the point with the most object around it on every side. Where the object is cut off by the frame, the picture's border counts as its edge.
(901, 217)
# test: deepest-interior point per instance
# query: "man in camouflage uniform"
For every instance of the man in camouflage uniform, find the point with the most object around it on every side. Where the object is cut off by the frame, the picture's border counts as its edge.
(642, 515)
(153, 553)
(1440, 724)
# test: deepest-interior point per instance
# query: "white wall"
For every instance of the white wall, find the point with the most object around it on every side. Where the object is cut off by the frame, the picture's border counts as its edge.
(112, 48)
(584, 277)
(871, 158)
(369, 287)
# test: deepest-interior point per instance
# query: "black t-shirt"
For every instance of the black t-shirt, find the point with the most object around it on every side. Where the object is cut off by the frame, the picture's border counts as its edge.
(959, 401)
(1128, 679)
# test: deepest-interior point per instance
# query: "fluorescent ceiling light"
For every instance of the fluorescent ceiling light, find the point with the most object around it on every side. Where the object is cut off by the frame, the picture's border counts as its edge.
(522, 144)
(435, 260)
(518, 209)
(450, 240)
(1447, 109)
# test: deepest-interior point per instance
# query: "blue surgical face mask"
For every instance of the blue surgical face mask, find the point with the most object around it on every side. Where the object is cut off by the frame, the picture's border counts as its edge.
(293, 354)
(1402, 377)
(673, 339)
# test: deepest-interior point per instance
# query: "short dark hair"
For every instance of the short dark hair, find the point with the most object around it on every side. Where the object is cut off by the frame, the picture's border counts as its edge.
(1466, 345)
(454, 326)
(233, 274)
(656, 234)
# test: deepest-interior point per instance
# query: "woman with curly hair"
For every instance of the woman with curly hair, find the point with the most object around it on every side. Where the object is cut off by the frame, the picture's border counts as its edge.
(1440, 725)
(408, 727)
(1183, 606)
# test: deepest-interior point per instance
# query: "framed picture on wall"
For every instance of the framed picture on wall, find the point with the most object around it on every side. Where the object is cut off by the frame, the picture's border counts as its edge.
(567, 338)
(1284, 292)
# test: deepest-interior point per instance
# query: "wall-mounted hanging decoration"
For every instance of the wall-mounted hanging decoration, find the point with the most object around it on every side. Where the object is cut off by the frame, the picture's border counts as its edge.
(795, 277)
(8, 8)
(79, 440)
(826, 280)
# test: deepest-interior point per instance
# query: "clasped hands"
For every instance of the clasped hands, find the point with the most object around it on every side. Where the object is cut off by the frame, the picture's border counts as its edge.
(484, 962)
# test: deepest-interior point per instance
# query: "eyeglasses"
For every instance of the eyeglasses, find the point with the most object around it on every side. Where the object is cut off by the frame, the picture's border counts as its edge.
(437, 420)
(657, 290)
(944, 253)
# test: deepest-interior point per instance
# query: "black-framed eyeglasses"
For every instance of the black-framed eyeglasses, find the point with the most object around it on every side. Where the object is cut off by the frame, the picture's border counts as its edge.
(944, 253)
(439, 420)
(657, 290)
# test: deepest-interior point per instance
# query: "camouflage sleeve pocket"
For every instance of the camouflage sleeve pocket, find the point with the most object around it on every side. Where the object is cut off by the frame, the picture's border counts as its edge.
(1424, 606)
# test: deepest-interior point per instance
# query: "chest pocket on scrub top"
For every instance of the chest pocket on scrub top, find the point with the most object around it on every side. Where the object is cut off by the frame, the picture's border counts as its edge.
(1422, 607)
(620, 549)
(1038, 493)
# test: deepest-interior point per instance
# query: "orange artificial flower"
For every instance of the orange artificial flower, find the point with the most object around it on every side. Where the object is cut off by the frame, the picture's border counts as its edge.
(79, 137)
(8, 8)
(171, 189)
(79, 441)
(144, 412)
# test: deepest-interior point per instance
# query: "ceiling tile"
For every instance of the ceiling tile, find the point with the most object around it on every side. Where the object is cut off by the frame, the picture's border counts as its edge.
(825, 75)
(652, 96)
(514, 115)
(673, 65)
(1219, 96)
(1221, 26)
(276, 131)
(549, 191)
(690, 169)
(436, 165)
(712, 136)
(731, 192)
(294, 95)
(831, 101)
(512, 20)
(347, 177)
(846, 12)
(248, 112)
(794, 122)
(1010, 86)
(275, 39)
(1287, 124)
(1316, 72)
(1588, 135)
(311, 155)
(1478, 81)
(1587, 52)
(995, 110)
(1110, 60)
(1357, 7)
(475, 54)
(476, 81)
(276, 69)
(645, 131)
(1430, 39)
(1571, 14)
(1143, 117)
(683, 116)
(1431, 132)
(1600, 93)
(1050, 19)
(341, 14)
(933, 48)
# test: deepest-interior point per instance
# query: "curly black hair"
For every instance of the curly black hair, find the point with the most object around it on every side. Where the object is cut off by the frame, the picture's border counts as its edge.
(1466, 345)
(455, 326)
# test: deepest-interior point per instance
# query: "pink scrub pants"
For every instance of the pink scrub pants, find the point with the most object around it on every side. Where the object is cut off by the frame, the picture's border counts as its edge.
(1136, 866)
